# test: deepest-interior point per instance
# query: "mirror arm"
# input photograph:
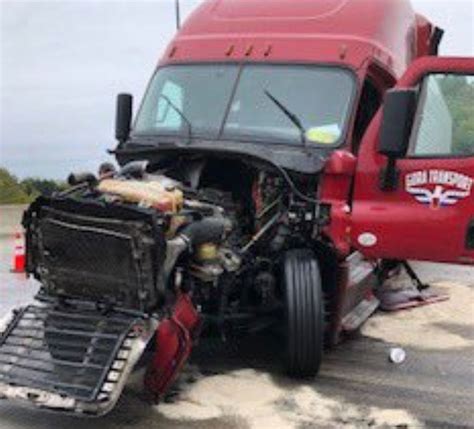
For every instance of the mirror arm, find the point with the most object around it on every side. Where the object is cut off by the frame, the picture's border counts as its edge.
(389, 175)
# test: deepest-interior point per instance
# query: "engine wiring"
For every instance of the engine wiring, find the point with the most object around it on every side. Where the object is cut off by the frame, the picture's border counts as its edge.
(293, 186)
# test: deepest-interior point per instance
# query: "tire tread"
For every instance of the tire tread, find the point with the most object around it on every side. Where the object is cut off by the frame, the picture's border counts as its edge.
(305, 313)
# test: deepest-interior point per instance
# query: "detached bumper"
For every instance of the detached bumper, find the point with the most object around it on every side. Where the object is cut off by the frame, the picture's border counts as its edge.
(73, 359)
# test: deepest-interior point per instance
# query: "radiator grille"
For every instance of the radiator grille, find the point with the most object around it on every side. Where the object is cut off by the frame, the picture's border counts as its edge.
(103, 259)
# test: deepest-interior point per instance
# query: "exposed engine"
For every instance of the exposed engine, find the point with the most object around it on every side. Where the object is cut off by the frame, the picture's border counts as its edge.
(231, 274)
(214, 228)
(168, 251)
(223, 223)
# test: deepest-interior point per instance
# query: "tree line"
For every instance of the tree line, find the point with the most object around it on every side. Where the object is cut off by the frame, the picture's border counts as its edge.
(458, 93)
(15, 191)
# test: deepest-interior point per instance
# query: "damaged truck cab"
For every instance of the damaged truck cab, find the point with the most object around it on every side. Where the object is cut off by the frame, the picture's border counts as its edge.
(287, 157)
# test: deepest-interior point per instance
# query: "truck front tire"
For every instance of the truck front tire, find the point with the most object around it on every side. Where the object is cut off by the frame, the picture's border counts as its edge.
(304, 313)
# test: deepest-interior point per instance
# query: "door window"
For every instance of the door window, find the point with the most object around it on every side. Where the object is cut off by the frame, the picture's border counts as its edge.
(445, 119)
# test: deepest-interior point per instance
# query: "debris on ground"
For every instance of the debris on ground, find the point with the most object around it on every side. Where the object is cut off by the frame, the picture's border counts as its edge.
(263, 402)
(397, 355)
(448, 325)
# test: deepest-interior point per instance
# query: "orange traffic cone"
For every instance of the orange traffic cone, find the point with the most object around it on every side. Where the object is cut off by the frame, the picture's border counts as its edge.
(19, 254)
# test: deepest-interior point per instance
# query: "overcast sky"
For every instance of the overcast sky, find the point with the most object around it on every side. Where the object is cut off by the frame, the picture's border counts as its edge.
(63, 62)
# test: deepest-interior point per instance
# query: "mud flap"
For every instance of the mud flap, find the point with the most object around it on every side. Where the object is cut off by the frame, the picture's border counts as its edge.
(70, 358)
(174, 339)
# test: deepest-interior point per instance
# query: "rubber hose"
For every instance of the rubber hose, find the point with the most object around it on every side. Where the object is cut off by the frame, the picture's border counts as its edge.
(208, 230)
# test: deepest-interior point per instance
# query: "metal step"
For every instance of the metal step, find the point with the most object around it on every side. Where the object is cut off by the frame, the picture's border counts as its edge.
(359, 269)
(359, 314)
(70, 358)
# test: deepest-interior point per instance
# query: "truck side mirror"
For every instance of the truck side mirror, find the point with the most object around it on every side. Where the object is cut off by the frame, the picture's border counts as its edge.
(398, 112)
(397, 122)
(123, 117)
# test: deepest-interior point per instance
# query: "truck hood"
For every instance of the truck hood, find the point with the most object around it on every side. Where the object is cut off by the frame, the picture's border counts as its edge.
(290, 157)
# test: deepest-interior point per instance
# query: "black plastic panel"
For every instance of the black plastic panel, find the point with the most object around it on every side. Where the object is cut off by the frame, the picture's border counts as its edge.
(64, 351)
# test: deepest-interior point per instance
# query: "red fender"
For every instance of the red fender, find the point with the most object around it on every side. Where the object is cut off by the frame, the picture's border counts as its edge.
(174, 339)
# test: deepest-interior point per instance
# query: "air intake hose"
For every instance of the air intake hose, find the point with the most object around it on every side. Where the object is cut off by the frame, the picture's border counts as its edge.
(207, 230)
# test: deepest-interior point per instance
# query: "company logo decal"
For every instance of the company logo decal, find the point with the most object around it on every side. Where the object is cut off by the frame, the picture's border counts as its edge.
(438, 188)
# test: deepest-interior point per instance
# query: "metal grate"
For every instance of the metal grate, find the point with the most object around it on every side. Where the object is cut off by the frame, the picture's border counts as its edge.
(67, 351)
(93, 262)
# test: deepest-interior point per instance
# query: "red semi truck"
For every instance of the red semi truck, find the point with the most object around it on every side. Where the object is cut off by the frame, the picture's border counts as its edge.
(287, 157)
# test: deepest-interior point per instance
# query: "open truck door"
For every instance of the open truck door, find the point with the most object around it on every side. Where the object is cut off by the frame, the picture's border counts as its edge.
(413, 196)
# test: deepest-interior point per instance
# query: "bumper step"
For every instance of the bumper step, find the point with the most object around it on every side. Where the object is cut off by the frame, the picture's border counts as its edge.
(70, 358)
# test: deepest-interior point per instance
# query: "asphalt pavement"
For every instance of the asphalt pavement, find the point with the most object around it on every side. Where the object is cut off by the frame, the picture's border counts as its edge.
(240, 384)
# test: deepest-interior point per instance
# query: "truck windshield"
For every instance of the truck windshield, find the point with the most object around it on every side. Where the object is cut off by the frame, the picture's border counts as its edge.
(231, 102)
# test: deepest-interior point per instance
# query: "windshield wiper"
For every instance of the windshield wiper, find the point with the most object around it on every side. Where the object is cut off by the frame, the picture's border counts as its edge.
(181, 114)
(290, 115)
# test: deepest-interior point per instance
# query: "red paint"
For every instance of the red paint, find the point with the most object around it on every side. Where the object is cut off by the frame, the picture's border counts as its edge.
(353, 33)
(334, 190)
(173, 342)
(406, 229)
(341, 163)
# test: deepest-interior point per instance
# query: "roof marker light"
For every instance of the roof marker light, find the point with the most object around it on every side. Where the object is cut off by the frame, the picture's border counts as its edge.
(342, 52)
(173, 51)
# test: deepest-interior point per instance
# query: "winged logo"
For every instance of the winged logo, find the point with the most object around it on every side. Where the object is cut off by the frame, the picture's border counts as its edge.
(438, 197)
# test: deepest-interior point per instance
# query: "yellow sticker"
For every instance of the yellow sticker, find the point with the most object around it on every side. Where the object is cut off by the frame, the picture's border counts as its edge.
(318, 135)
